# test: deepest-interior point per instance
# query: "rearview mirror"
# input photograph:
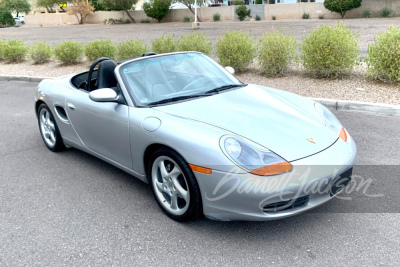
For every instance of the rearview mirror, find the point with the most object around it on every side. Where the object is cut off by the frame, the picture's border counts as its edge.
(103, 95)
(230, 70)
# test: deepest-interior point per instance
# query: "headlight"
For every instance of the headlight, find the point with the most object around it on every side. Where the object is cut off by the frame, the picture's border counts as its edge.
(330, 121)
(252, 157)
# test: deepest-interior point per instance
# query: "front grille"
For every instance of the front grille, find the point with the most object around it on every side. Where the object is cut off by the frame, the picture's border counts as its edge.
(286, 205)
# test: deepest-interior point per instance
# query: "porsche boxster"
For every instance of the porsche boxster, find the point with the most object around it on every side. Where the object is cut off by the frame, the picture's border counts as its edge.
(206, 142)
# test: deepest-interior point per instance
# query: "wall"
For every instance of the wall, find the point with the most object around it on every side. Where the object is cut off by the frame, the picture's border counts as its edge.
(281, 11)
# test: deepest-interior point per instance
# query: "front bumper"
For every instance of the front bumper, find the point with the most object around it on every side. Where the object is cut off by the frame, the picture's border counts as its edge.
(244, 196)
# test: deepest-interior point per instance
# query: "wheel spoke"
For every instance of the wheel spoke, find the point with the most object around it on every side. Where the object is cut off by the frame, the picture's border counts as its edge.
(52, 137)
(43, 118)
(163, 170)
(47, 134)
(160, 186)
(52, 127)
(174, 201)
(47, 117)
(175, 172)
(182, 192)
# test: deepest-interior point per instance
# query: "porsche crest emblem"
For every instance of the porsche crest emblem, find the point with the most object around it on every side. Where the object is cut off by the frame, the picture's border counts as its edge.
(309, 139)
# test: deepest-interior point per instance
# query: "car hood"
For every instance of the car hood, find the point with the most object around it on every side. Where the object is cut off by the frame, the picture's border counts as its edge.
(277, 120)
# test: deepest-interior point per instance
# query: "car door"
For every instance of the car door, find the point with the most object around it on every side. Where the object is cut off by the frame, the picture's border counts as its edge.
(103, 127)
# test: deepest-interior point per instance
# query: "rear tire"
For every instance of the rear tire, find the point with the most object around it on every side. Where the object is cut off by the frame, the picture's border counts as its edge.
(49, 130)
(174, 185)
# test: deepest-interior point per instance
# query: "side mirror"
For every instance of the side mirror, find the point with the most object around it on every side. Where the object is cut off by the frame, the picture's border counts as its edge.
(103, 95)
(230, 70)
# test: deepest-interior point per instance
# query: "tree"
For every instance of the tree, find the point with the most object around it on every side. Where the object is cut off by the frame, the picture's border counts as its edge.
(242, 12)
(342, 6)
(190, 5)
(121, 5)
(81, 9)
(157, 9)
(6, 19)
(17, 6)
(48, 4)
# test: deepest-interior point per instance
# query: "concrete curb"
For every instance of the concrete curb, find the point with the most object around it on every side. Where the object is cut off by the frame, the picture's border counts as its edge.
(22, 78)
(381, 109)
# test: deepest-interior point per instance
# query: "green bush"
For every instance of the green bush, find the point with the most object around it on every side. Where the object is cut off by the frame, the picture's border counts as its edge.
(6, 19)
(164, 44)
(157, 9)
(238, 2)
(259, 2)
(236, 49)
(145, 21)
(3, 43)
(187, 19)
(242, 12)
(258, 17)
(15, 51)
(341, 6)
(386, 12)
(273, 17)
(367, 13)
(69, 52)
(99, 48)
(306, 16)
(195, 42)
(216, 17)
(383, 59)
(276, 52)
(130, 49)
(329, 50)
(40, 52)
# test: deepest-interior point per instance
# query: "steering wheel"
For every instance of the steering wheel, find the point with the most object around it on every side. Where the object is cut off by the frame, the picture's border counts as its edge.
(97, 61)
(187, 87)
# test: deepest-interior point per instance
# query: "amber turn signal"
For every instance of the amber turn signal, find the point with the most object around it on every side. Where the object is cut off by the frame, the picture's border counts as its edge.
(343, 134)
(200, 169)
(273, 169)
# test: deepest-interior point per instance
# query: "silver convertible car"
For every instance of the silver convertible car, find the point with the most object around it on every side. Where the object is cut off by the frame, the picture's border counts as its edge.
(206, 142)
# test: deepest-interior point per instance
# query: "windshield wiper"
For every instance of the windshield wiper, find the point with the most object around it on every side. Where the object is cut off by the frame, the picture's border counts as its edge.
(225, 87)
(177, 98)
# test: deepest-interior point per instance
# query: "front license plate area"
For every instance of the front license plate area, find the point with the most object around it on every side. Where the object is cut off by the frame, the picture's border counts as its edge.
(340, 182)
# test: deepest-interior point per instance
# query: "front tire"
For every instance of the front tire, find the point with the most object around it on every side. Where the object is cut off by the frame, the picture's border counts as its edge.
(49, 130)
(174, 185)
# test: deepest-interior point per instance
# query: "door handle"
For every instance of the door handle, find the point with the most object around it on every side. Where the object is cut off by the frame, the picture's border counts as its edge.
(71, 106)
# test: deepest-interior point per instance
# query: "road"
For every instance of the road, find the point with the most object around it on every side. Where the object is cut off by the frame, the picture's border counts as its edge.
(71, 209)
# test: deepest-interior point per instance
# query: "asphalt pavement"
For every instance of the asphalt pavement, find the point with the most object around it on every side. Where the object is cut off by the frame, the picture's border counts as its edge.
(72, 209)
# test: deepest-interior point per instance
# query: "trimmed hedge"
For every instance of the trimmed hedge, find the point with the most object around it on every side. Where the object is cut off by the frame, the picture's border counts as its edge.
(69, 52)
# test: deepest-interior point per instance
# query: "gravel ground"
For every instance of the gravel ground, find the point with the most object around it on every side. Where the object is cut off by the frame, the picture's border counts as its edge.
(353, 87)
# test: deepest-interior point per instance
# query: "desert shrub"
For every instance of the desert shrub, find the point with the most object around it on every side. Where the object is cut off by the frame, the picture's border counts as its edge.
(242, 12)
(276, 52)
(321, 16)
(99, 48)
(258, 17)
(145, 21)
(341, 6)
(195, 42)
(383, 59)
(40, 52)
(306, 16)
(69, 52)
(235, 49)
(81, 9)
(216, 17)
(6, 19)
(187, 19)
(238, 2)
(157, 9)
(273, 17)
(15, 51)
(368, 13)
(3, 43)
(129, 49)
(164, 44)
(259, 2)
(386, 12)
(329, 50)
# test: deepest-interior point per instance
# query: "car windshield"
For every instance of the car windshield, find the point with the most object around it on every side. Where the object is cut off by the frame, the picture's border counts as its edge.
(169, 78)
